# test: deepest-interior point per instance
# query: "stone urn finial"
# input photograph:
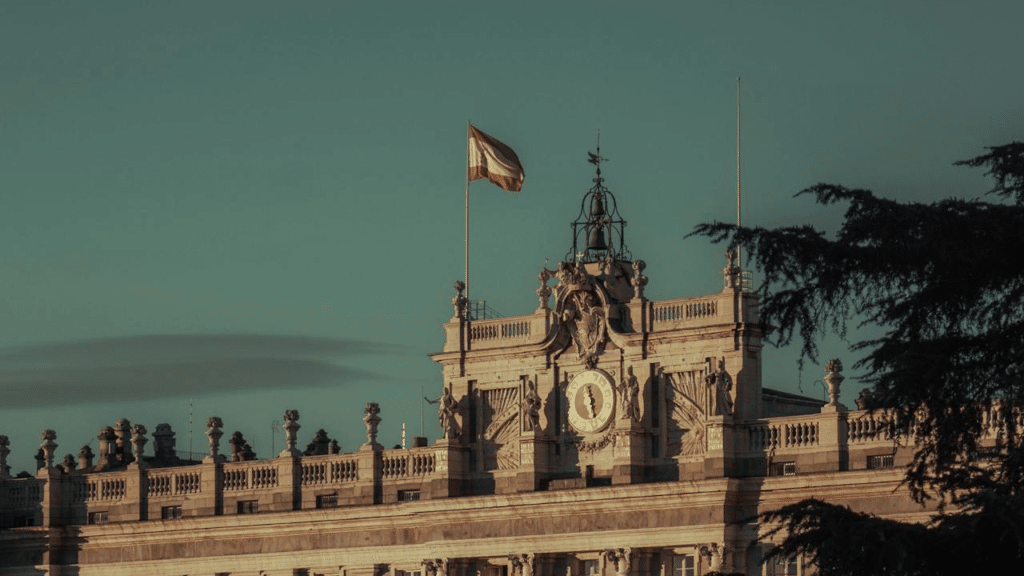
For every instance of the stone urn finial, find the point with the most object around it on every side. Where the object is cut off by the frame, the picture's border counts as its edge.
(85, 457)
(48, 447)
(213, 433)
(163, 442)
(123, 432)
(291, 433)
(834, 377)
(138, 442)
(372, 420)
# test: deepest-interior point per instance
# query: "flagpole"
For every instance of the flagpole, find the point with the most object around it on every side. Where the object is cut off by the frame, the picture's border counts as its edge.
(468, 126)
(739, 250)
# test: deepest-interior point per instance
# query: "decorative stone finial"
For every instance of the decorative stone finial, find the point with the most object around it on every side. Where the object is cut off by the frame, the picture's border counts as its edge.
(5, 470)
(834, 377)
(213, 433)
(123, 430)
(69, 464)
(372, 420)
(544, 292)
(85, 457)
(163, 442)
(107, 447)
(48, 447)
(138, 442)
(291, 433)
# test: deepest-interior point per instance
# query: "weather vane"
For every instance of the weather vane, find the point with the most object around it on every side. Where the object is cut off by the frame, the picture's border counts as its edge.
(595, 158)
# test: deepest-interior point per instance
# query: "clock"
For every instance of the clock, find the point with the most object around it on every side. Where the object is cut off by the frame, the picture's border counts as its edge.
(591, 396)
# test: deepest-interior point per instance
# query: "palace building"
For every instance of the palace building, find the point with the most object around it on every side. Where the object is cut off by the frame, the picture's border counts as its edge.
(601, 434)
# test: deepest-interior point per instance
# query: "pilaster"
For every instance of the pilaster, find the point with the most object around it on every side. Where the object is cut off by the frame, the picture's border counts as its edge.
(451, 469)
(629, 455)
(210, 500)
(534, 461)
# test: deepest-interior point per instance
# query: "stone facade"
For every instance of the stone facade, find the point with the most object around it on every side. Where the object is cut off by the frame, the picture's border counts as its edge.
(602, 434)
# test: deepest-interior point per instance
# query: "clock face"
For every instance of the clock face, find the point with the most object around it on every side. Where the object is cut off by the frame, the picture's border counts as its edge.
(591, 401)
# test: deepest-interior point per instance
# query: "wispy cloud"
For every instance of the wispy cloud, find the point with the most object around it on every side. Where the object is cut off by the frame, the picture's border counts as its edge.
(158, 366)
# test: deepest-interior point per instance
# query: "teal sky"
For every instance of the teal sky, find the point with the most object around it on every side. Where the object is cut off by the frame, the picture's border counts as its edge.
(259, 205)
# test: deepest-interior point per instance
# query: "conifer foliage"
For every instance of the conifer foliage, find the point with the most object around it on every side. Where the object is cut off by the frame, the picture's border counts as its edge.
(945, 284)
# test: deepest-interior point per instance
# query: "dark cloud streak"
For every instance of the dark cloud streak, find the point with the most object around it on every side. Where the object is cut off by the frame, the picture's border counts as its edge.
(162, 366)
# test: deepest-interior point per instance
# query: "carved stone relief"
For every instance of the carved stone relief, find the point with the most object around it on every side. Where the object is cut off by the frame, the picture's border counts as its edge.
(501, 411)
(685, 401)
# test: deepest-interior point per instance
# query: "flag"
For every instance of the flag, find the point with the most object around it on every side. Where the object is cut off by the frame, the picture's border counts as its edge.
(493, 160)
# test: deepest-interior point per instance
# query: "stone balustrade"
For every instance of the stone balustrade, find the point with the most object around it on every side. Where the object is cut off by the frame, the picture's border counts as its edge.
(408, 463)
(665, 315)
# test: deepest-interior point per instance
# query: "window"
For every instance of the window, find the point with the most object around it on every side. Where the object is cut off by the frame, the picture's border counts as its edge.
(782, 566)
(248, 506)
(880, 461)
(100, 517)
(683, 566)
(327, 500)
(170, 512)
(300, 572)
(782, 469)
(591, 567)
(408, 495)
(24, 520)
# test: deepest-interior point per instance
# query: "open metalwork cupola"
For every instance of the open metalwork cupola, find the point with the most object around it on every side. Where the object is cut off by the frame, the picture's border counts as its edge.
(598, 233)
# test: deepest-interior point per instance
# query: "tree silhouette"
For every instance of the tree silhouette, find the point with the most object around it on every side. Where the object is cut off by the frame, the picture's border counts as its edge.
(945, 282)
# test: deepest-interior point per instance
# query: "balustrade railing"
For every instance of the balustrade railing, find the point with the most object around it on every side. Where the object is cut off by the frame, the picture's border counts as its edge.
(22, 492)
(793, 432)
(501, 329)
(97, 489)
(329, 470)
(408, 463)
(246, 476)
(668, 314)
